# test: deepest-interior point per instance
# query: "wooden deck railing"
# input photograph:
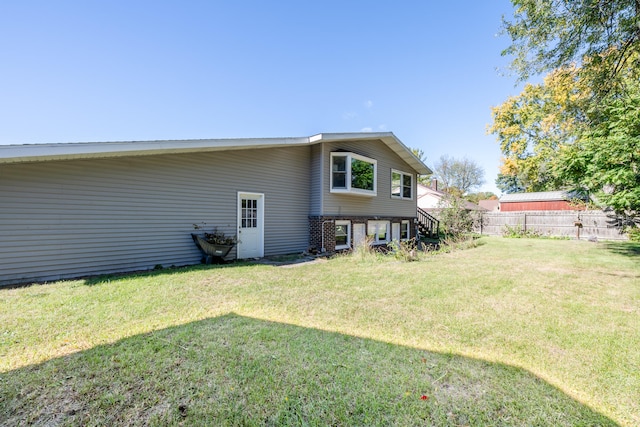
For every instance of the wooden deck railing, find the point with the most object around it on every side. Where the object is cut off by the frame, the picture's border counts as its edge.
(427, 224)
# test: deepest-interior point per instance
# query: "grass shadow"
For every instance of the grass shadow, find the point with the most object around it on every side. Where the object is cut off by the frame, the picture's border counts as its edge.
(168, 271)
(630, 249)
(281, 260)
(235, 370)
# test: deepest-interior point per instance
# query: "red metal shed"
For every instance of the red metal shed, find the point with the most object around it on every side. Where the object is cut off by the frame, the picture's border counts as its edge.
(541, 201)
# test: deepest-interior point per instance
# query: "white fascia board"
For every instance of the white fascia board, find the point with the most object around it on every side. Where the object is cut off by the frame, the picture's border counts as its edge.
(387, 137)
(84, 150)
(61, 151)
(407, 155)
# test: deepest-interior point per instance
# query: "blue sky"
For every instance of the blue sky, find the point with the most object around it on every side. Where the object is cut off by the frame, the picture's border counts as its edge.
(81, 71)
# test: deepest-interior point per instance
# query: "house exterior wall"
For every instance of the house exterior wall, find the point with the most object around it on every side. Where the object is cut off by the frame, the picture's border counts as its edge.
(553, 205)
(327, 207)
(62, 219)
(429, 202)
(315, 179)
(380, 205)
(322, 230)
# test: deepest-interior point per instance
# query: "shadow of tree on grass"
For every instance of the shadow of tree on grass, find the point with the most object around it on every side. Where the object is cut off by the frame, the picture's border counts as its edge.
(234, 370)
(631, 249)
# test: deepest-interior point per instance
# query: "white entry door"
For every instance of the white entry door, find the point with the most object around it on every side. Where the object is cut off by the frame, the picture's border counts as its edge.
(250, 225)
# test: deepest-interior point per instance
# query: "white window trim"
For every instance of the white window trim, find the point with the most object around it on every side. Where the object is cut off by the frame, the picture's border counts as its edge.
(406, 223)
(348, 224)
(372, 230)
(349, 189)
(401, 196)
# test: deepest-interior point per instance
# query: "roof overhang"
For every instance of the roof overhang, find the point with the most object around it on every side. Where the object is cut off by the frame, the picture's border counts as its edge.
(94, 150)
(387, 138)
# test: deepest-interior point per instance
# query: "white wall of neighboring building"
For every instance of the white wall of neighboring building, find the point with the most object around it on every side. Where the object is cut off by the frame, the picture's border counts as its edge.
(428, 198)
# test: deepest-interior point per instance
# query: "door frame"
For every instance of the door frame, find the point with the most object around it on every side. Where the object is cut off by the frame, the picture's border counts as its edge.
(261, 211)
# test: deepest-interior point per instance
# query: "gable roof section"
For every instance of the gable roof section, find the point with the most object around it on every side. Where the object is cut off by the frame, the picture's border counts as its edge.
(88, 150)
(387, 138)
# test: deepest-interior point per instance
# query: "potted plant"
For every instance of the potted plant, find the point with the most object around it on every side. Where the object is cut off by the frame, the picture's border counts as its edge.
(214, 244)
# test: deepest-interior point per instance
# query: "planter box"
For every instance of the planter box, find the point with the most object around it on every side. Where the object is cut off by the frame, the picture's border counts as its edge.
(211, 250)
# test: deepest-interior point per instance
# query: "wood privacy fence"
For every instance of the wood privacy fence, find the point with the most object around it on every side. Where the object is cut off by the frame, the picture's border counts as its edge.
(595, 224)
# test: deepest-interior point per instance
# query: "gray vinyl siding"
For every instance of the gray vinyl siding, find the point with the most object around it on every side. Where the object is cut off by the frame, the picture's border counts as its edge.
(380, 205)
(61, 219)
(315, 181)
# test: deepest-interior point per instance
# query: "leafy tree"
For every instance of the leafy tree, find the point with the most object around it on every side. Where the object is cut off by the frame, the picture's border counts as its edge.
(458, 176)
(606, 157)
(455, 219)
(601, 37)
(532, 126)
(483, 195)
(362, 174)
(581, 126)
(509, 184)
(422, 156)
(554, 135)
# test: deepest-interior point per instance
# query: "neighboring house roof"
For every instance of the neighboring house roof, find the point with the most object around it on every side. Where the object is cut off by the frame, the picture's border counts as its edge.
(83, 150)
(490, 204)
(428, 198)
(545, 196)
(424, 190)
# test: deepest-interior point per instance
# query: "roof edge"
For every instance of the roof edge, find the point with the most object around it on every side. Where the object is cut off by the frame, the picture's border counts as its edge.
(84, 150)
(87, 150)
(389, 138)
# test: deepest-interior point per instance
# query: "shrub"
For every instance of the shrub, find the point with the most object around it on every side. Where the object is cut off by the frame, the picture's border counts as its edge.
(365, 250)
(518, 232)
(634, 234)
(455, 218)
(216, 237)
(404, 251)
(458, 242)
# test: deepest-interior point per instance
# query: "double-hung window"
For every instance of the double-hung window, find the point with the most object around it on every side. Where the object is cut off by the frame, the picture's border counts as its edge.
(379, 232)
(353, 173)
(401, 185)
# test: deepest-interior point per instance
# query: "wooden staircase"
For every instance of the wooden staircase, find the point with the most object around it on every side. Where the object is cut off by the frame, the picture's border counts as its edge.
(427, 224)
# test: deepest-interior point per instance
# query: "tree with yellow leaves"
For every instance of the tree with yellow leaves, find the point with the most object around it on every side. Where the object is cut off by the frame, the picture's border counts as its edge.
(532, 126)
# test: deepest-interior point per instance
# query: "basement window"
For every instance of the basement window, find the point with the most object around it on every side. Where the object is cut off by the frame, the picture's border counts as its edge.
(343, 235)
(379, 232)
(404, 230)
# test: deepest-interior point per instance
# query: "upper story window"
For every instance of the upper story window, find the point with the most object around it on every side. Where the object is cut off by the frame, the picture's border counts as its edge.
(352, 173)
(401, 185)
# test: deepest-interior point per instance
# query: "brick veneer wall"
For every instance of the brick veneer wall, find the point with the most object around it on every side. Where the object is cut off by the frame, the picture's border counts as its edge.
(324, 226)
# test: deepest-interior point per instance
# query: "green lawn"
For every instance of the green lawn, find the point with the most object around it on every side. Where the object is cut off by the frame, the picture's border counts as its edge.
(512, 332)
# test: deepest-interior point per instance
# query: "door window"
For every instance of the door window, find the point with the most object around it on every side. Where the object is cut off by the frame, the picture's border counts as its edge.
(249, 214)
